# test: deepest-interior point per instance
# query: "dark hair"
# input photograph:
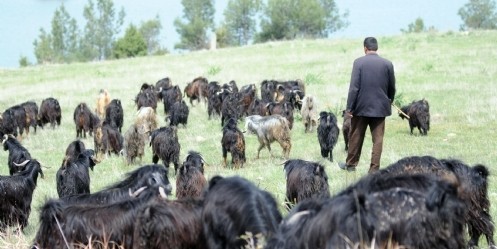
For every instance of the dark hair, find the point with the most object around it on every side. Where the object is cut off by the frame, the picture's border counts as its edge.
(371, 43)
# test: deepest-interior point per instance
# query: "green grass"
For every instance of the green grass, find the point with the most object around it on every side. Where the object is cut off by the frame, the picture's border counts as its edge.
(455, 72)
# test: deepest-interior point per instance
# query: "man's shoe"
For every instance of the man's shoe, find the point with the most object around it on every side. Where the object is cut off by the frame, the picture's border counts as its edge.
(346, 167)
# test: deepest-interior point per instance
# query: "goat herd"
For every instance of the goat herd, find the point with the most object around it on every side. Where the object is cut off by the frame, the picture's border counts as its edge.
(417, 202)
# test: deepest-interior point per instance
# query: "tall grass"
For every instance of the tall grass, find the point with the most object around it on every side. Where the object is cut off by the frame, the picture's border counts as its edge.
(455, 72)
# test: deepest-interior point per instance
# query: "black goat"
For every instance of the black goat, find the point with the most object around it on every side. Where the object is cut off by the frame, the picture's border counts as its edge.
(50, 112)
(474, 189)
(164, 224)
(149, 176)
(191, 181)
(16, 116)
(72, 152)
(234, 206)
(419, 116)
(74, 178)
(170, 96)
(114, 226)
(328, 133)
(233, 141)
(114, 114)
(395, 216)
(178, 114)
(165, 146)
(347, 119)
(305, 180)
(147, 97)
(17, 153)
(16, 193)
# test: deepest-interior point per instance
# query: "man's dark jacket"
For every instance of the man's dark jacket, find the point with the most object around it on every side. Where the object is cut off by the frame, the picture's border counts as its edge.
(372, 87)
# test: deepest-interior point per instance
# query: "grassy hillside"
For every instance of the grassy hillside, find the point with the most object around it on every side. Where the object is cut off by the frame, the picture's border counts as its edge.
(455, 72)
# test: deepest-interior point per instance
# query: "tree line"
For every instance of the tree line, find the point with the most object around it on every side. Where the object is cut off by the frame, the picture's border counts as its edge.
(245, 22)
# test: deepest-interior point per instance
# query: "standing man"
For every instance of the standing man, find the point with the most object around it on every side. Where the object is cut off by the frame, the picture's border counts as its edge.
(371, 92)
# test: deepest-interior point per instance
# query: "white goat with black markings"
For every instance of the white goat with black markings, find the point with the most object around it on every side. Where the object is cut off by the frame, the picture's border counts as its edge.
(269, 129)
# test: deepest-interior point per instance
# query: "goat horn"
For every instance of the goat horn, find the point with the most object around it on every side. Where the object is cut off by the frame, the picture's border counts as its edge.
(137, 192)
(5, 138)
(21, 164)
(162, 193)
(297, 216)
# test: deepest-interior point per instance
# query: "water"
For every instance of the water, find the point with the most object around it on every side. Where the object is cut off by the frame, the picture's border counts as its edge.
(21, 20)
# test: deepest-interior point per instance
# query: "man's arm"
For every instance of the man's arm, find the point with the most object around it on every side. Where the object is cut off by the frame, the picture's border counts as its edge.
(354, 86)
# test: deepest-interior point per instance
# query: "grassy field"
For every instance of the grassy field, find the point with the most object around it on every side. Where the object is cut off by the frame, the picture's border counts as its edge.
(455, 72)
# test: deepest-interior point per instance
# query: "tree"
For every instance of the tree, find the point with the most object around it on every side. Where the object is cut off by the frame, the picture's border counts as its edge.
(239, 21)
(61, 45)
(23, 61)
(478, 14)
(150, 30)
(417, 26)
(131, 45)
(64, 36)
(198, 18)
(102, 26)
(43, 47)
(290, 19)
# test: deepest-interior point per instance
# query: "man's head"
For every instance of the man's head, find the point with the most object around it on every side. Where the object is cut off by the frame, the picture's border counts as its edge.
(370, 44)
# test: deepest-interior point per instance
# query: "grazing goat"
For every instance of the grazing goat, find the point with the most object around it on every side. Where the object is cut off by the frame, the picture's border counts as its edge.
(269, 129)
(191, 182)
(103, 100)
(233, 141)
(328, 132)
(114, 114)
(50, 112)
(72, 152)
(233, 206)
(82, 120)
(165, 146)
(419, 116)
(309, 113)
(16, 193)
(305, 180)
(31, 110)
(178, 114)
(474, 189)
(17, 153)
(346, 128)
(74, 178)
